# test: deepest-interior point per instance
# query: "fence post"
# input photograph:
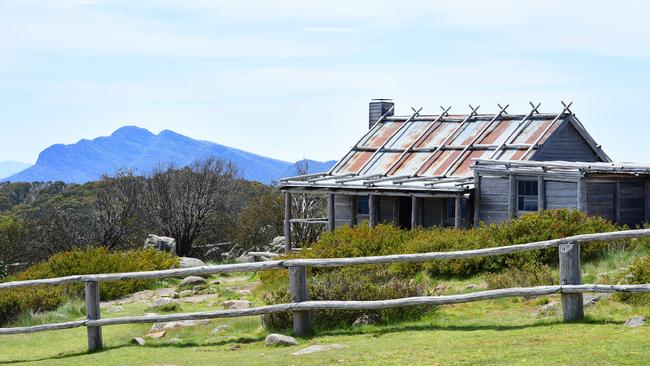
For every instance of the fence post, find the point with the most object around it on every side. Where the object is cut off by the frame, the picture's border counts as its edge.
(298, 284)
(92, 313)
(570, 274)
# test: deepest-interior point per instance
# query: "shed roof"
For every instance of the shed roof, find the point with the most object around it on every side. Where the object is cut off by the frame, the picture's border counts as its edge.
(435, 152)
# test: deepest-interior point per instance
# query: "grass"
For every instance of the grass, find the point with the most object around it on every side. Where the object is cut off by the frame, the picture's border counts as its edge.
(504, 331)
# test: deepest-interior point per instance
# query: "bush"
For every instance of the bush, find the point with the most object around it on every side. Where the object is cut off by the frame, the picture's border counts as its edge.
(638, 273)
(3, 270)
(386, 239)
(76, 262)
(350, 283)
(528, 275)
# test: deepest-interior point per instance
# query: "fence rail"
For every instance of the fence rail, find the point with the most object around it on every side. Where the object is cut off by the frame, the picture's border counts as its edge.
(570, 286)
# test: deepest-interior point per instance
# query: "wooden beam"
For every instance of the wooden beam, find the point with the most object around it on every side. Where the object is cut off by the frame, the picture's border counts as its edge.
(331, 215)
(94, 333)
(395, 211)
(512, 196)
(477, 199)
(617, 201)
(571, 274)
(582, 195)
(373, 210)
(298, 285)
(415, 212)
(287, 222)
(647, 201)
(354, 209)
(457, 212)
(541, 193)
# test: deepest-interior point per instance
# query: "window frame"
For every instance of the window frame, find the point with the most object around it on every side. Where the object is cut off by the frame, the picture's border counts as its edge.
(528, 201)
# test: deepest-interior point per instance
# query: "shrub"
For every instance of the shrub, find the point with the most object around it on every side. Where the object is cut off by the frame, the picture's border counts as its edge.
(351, 283)
(76, 262)
(638, 273)
(527, 275)
(3, 269)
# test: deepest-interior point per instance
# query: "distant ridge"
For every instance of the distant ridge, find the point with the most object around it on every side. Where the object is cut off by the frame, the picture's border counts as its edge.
(136, 148)
(8, 168)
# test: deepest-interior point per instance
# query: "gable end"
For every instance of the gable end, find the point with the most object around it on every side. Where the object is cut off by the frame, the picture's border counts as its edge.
(567, 144)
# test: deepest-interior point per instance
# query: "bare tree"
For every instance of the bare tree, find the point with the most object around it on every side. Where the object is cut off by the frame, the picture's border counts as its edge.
(182, 201)
(304, 206)
(119, 208)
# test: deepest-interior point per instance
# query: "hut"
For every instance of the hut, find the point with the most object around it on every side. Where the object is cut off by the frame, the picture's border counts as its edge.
(463, 169)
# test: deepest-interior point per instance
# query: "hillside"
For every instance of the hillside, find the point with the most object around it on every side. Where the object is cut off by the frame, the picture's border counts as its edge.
(8, 168)
(140, 150)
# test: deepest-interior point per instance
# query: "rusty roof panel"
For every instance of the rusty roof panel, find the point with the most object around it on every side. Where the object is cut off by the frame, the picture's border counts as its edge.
(354, 164)
(441, 134)
(408, 135)
(380, 134)
(381, 163)
(412, 163)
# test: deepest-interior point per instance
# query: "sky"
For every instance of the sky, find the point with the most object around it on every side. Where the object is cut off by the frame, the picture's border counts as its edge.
(291, 79)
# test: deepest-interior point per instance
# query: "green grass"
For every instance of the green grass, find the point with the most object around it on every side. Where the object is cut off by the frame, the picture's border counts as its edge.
(504, 331)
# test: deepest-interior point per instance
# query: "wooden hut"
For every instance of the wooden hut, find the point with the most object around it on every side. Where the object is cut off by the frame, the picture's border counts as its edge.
(462, 169)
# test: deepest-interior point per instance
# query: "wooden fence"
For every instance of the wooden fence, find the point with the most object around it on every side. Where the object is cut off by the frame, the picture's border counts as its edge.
(570, 286)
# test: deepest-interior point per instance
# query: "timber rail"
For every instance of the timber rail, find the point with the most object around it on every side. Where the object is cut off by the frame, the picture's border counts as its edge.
(570, 286)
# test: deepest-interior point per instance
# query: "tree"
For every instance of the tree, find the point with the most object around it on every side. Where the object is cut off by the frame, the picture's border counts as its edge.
(182, 201)
(260, 221)
(119, 210)
(305, 206)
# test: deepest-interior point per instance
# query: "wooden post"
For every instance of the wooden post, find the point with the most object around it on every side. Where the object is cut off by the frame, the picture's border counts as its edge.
(512, 196)
(331, 217)
(92, 313)
(287, 222)
(298, 285)
(353, 211)
(373, 208)
(570, 274)
(415, 212)
(617, 201)
(443, 211)
(396, 211)
(457, 212)
(477, 199)
(647, 201)
(582, 195)
(541, 193)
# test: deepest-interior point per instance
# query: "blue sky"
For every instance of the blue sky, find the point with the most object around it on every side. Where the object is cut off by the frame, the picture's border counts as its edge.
(291, 79)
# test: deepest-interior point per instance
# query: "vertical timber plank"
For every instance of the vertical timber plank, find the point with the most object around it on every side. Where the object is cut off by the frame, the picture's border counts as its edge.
(541, 193)
(298, 285)
(331, 216)
(512, 196)
(287, 222)
(457, 212)
(570, 274)
(415, 212)
(647, 201)
(92, 313)
(353, 211)
(617, 201)
(477, 199)
(373, 208)
(582, 195)
(396, 211)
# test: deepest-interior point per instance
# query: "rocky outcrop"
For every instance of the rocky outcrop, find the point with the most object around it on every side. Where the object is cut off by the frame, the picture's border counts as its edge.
(162, 243)
(187, 262)
(279, 340)
(192, 281)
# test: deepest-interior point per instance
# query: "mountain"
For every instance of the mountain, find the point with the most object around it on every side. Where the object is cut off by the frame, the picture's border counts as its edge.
(312, 166)
(8, 168)
(138, 149)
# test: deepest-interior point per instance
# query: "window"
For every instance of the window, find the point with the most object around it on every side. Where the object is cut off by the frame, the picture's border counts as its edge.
(363, 207)
(527, 192)
(451, 208)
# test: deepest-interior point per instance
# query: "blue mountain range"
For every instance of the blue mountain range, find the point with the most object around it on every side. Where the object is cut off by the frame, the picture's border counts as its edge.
(140, 150)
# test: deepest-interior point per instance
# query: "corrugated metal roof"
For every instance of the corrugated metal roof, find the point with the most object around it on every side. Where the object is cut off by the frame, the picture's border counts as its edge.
(435, 153)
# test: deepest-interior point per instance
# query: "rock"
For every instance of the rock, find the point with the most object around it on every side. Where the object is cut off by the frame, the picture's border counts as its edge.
(198, 288)
(163, 301)
(365, 319)
(212, 304)
(237, 304)
(165, 292)
(187, 262)
(157, 335)
(157, 327)
(279, 340)
(162, 243)
(591, 300)
(215, 283)
(245, 258)
(137, 340)
(199, 298)
(142, 295)
(193, 281)
(235, 347)
(551, 307)
(440, 287)
(469, 287)
(635, 321)
(318, 348)
(219, 329)
(244, 292)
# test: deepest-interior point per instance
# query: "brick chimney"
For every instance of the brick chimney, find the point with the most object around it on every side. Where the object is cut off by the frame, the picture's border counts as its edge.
(377, 108)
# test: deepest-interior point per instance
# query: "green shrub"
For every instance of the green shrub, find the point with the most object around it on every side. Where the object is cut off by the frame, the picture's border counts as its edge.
(3, 269)
(386, 239)
(638, 273)
(527, 275)
(350, 283)
(76, 262)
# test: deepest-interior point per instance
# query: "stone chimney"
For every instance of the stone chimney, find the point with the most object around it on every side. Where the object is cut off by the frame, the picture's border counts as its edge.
(379, 107)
